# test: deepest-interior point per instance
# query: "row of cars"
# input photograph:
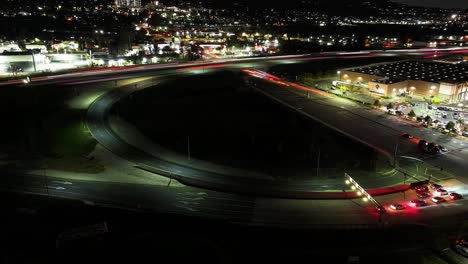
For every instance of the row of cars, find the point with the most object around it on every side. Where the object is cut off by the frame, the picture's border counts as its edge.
(438, 195)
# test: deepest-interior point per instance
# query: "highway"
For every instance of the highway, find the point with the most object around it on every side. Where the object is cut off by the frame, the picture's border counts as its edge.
(118, 73)
(192, 200)
(373, 128)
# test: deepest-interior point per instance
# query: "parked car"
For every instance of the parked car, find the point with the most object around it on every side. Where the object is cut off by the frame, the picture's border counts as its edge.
(455, 196)
(435, 186)
(438, 199)
(440, 192)
(421, 188)
(417, 203)
(423, 195)
(397, 206)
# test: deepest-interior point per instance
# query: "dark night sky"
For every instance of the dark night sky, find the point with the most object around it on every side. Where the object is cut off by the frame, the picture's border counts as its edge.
(437, 3)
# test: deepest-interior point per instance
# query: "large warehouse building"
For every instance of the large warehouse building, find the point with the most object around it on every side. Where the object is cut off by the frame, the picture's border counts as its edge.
(447, 81)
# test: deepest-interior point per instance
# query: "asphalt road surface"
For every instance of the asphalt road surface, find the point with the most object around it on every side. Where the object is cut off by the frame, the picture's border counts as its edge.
(194, 201)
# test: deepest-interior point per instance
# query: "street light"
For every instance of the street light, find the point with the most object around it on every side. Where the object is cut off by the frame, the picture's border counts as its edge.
(362, 191)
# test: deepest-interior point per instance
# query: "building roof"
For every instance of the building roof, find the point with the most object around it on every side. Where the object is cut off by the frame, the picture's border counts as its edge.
(418, 70)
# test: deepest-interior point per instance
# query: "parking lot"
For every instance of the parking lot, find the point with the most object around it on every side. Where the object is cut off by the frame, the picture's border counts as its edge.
(440, 115)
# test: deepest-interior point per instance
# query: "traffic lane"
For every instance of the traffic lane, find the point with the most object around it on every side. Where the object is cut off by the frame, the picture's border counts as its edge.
(244, 209)
(176, 200)
(341, 117)
(391, 123)
(145, 70)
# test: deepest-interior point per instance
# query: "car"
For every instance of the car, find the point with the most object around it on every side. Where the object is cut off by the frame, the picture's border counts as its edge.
(455, 196)
(429, 107)
(400, 113)
(423, 195)
(417, 203)
(440, 192)
(443, 149)
(432, 148)
(397, 206)
(435, 186)
(408, 136)
(422, 143)
(438, 199)
(380, 209)
(465, 133)
(444, 116)
(421, 188)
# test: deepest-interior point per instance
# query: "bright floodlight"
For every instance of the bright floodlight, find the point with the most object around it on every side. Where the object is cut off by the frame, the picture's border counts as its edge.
(359, 193)
(365, 199)
(353, 187)
(347, 182)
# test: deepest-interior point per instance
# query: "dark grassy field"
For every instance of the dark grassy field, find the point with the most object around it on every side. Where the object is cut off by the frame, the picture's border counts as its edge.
(229, 124)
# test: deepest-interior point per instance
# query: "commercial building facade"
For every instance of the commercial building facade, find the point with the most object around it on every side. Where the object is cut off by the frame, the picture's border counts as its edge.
(449, 82)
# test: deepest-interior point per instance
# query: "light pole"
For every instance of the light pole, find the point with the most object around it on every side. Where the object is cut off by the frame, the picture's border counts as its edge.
(396, 151)
(362, 192)
(33, 60)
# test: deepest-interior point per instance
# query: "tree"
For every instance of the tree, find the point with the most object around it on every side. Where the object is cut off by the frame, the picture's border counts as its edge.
(450, 125)
(428, 119)
(377, 103)
(390, 106)
(412, 113)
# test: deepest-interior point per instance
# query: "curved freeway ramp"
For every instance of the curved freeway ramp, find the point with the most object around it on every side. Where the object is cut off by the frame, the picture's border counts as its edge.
(98, 124)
